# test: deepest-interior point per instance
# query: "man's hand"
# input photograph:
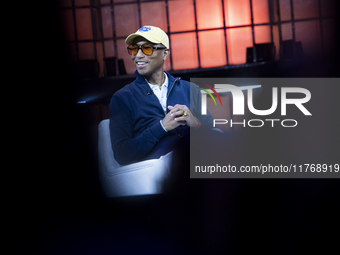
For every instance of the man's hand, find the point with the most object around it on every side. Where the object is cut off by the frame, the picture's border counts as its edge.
(176, 117)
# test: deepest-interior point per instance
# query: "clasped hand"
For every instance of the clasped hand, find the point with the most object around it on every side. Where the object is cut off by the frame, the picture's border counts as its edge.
(176, 117)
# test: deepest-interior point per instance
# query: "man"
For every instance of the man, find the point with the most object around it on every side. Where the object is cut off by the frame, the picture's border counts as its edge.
(150, 116)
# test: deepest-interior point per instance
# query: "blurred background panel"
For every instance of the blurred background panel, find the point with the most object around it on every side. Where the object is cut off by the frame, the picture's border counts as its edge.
(203, 34)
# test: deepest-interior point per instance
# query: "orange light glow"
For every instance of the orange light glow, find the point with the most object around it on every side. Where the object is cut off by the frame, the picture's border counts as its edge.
(262, 34)
(209, 14)
(212, 48)
(238, 41)
(237, 12)
(182, 17)
(184, 51)
(260, 11)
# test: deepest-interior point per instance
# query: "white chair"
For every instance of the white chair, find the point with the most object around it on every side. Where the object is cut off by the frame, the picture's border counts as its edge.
(142, 178)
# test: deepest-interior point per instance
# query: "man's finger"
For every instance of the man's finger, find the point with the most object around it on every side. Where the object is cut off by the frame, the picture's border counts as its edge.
(180, 118)
(176, 113)
(181, 122)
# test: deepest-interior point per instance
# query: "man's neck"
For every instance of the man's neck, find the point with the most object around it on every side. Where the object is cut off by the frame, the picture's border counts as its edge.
(157, 78)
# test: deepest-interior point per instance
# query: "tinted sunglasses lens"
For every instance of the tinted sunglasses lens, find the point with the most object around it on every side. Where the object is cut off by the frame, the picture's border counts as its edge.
(147, 49)
(132, 50)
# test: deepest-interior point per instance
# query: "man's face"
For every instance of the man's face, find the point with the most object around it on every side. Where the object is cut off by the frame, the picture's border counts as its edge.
(148, 64)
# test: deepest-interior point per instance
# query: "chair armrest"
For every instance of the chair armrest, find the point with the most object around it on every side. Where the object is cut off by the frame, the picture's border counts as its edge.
(142, 178)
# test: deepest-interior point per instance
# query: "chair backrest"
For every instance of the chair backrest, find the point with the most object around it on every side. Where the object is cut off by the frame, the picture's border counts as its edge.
(105, 154)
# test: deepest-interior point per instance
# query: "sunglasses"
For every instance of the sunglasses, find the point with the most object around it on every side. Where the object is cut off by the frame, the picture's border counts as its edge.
(146, 49)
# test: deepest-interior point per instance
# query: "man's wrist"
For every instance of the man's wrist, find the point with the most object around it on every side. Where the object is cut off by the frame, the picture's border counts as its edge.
(163, 126)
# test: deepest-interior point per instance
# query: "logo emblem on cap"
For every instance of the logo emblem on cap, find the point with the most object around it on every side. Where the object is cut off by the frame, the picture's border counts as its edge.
(144, 29)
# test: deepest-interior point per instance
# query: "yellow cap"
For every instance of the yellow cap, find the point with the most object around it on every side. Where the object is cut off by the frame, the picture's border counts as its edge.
(150, 33)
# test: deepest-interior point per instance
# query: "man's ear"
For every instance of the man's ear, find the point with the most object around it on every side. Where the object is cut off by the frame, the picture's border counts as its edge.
(166, 53)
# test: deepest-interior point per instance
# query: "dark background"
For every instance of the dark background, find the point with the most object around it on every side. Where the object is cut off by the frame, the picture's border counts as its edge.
(65, 212)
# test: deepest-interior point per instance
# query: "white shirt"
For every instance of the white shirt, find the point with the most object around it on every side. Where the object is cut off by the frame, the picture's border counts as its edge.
(161, 93)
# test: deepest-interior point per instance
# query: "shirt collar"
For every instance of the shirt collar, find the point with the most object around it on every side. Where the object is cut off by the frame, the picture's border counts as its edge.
(164, 85)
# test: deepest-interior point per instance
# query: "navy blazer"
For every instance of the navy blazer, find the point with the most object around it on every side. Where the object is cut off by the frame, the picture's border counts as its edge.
(135, 114)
